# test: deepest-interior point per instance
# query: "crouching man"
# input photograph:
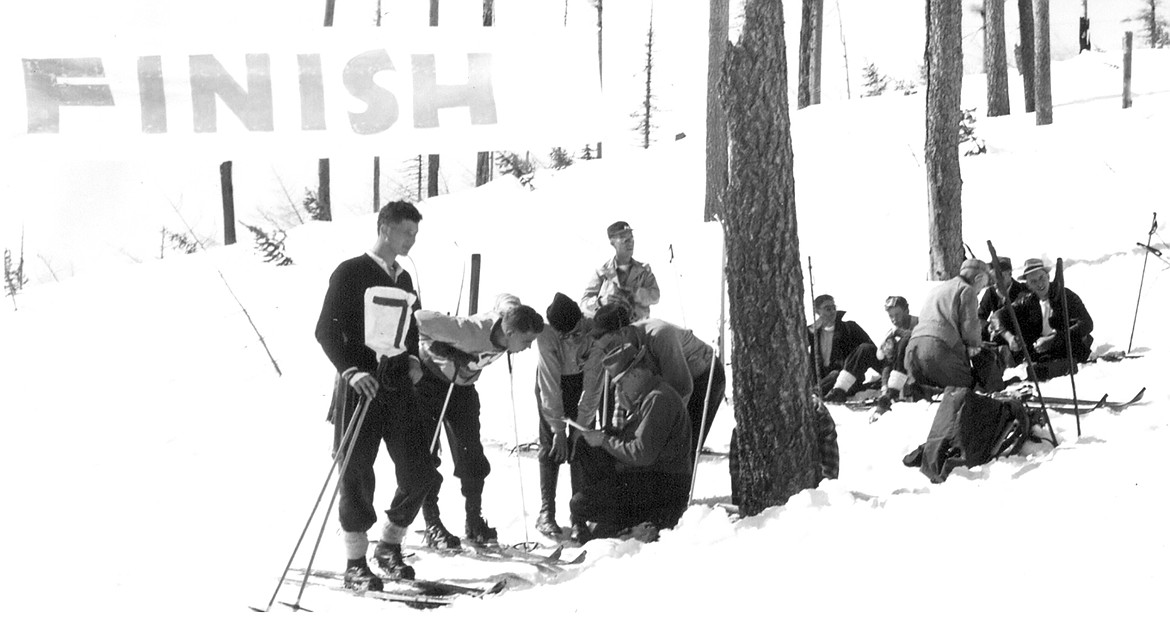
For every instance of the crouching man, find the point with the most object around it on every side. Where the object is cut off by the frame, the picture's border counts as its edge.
(651, 449)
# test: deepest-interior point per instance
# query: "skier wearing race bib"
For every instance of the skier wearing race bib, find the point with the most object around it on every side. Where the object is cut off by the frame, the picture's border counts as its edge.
(367, 331)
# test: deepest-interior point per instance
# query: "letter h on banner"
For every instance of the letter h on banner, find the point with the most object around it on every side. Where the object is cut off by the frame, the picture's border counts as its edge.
(476, 94)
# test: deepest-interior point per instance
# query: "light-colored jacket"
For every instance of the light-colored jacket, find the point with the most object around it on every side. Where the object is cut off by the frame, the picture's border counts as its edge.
(679, 356)
(950, 314)
(640, 284)
(557, 357)
(458, 348)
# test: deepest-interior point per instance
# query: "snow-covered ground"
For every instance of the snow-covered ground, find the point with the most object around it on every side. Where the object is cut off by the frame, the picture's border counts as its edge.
(155, 463)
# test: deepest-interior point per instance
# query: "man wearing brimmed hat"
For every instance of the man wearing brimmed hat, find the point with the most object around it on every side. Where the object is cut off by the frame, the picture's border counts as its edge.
(1040, 311)
(678, 356)
(568, 385)
(623, 279)
(948, 331)
(650, 447)
(888, 359)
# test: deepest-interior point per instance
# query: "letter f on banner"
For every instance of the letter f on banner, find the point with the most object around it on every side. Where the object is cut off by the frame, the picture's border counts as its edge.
(476, 94)
(45, 94)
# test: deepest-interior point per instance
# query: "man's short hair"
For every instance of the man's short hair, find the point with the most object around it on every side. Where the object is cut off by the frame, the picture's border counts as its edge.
(893, 301)
(822, 300)
(524, 318)
(398, 211)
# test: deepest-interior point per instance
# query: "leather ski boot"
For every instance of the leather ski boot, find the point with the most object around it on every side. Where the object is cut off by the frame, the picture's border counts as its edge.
(546, 523)
(359, 577)
(389, 559)
(436, 534)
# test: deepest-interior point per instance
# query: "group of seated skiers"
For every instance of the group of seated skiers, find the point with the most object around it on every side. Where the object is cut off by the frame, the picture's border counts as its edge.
(959, 338)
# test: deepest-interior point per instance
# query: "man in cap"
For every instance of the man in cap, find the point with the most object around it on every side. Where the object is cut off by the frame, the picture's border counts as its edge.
(568, 386)
(678, 356)
(623, 279)
(830, 340)
(1040, 311)
(947, 335)
(989, 316)
(651, 447)
(888, 360)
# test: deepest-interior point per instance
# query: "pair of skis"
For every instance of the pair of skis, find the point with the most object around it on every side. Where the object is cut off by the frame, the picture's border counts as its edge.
(1068, 405)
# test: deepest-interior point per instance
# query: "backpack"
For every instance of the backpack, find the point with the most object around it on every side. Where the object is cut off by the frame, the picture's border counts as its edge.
(970, 429)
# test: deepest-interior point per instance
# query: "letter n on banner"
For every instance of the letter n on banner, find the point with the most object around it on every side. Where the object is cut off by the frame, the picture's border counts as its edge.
(476, 94)
(45, 94)
(210, 79)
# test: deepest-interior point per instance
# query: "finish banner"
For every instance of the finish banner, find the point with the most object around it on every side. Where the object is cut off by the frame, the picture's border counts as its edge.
(321, 91)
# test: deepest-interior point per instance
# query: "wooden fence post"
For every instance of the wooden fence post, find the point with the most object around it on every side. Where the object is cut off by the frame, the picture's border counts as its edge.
(229, 202)
(1127, 72)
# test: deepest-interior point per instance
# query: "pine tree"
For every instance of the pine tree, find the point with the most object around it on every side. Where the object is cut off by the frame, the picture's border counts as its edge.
(647, 109)
(875, 83)
(270, 246)
(970, 143)
(14, 278)
(944, 62)
(560, 158)
(1155, 28)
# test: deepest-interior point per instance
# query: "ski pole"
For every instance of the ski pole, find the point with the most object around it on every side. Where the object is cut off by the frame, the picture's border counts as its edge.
(703, 423)
(337, 457)
(1072, 367)
(519, 471)
(442, 416)
(1031, 368)
(1145, 259)
(816, 339)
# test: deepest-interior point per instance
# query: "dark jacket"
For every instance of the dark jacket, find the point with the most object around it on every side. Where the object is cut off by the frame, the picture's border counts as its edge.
(847, 336)
(1079, 326)
(991, 302)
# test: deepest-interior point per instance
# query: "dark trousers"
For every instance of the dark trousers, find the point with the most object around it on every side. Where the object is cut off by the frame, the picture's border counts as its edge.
(933, 363)
(633, 497)
(391, 419)
(699, 393)
(461, 424)
(865, 357)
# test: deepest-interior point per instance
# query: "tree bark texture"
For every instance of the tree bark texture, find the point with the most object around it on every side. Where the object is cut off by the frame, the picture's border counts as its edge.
(433, 159)
(944, 83)
(228, 193)
(1043, 70)
(810, 41)
(773, 405)
(995, 59)
(483, 160)
(1027, 58)
(323, 199)
(717, 33)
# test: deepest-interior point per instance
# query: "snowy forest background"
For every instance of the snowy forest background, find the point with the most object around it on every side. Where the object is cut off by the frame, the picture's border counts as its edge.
(156, 461)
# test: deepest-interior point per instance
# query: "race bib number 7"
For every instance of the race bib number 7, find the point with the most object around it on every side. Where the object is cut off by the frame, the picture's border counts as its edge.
(387, 315)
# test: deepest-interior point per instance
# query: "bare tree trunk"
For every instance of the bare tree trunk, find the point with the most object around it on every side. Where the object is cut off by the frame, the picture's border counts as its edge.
(717, 33)
(228, 193)
(1026, 59)
(600, 71)
(433, 159)
(323, 164)
(944, 83)
(810, 41)
(844, 52)
(1127, 71)
(378, 160)
(483, 160)
(1043, 70)
(777, 449)
(647, 99)
(995, 59)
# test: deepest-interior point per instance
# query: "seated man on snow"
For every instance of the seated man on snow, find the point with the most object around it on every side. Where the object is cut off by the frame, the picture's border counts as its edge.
(650, 445)
(830, 341)
(888, 360)
(1043, 328)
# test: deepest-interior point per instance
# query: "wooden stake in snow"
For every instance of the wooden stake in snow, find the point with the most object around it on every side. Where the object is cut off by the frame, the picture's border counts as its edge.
(1127, 71)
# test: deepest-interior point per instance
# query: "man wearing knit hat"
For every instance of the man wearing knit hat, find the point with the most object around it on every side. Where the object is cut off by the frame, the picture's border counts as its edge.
(623, 279)
(568, 386)
(948, 330)
(1040, 311)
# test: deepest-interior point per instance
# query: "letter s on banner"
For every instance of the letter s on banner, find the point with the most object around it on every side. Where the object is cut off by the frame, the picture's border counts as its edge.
(381, 105)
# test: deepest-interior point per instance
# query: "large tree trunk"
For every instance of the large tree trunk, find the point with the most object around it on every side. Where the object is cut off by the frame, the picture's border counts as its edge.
(944, 82)
(1026, 59)
(995, 59)
(483, 160)
(808, 73)
(773, 406)
(1043, 70)
(717, 32)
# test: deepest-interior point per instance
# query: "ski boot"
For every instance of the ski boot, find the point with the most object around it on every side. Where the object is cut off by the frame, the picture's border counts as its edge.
(580, 533)
(437, 536)
(478, 531)
(360, 578)
(546, 524)
(389, 559)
